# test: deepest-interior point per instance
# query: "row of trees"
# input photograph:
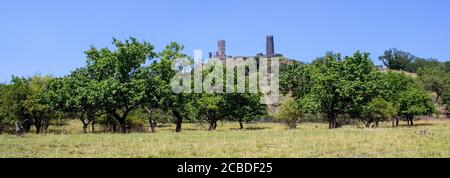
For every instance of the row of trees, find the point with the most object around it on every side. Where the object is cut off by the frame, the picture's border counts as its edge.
(116, 83)
(351, 87)
(433, 75)
(400, 60)
(133, 81)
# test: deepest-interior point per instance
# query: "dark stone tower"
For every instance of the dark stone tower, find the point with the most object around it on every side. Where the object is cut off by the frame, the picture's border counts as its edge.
(221, 49)
(270, 47)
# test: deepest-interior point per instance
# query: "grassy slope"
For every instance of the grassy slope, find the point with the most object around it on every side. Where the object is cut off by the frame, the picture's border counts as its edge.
(430, 139)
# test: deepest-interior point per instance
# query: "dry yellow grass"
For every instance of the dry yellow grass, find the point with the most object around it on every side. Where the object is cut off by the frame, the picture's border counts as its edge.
(429, 139)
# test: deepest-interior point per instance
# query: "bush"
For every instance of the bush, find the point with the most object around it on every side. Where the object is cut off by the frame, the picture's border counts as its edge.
(378, 110)
(289, 113)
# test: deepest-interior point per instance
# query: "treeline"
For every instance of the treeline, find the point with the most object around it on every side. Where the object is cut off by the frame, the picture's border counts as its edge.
(350, 89)
(117, 89)
(400, 60)
(129, 88)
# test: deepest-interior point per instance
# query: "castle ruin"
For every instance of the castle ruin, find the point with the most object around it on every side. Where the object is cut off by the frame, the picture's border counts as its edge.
(270, 49)
(221, 49)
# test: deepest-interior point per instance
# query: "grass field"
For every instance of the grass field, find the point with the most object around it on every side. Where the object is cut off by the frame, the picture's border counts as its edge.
(428, 139)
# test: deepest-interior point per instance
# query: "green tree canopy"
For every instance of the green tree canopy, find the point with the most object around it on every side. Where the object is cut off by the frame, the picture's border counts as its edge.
(414, 102)
(289, 112)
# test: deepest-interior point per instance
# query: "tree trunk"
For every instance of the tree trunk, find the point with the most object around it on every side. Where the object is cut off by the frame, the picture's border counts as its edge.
(91, 119)
(179, 121)
(123, 125)
(241, 124)
(152, 125)
(38, 128)
(93, 126)
(45, 125)
(331, 120)
(19, 127)
(85, 124)
(212, 125)
(367, 123)
(27, 125)
(292, 124)
(114, 127)
(111, 123)
(212, 121)
(122, 120)
(85, 128)
(150, 120)
(38, 125)
(411, 120)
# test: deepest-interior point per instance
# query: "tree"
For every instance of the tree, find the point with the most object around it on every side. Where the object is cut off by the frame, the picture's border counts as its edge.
(5, 122)
(289, 112)
(114, 76)
(296, 80)
(435, 80)
(397, 60)
(392, 85)
(78, 95)
(213, 107)
(446, 66)
(12, 104)
(425, 63)
(343, 86)
(22, 103)
(175, 103)
(154, 92)
(446, 100)
(360, 84)
(414, 102)
(36, 106)
(378, 110)
(246, 107)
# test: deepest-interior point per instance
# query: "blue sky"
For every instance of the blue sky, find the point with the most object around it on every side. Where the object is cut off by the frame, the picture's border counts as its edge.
(50, 36)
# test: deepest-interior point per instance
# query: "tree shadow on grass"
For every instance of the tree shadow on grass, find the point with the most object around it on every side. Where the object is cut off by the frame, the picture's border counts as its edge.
(251, 128)
(417, 125)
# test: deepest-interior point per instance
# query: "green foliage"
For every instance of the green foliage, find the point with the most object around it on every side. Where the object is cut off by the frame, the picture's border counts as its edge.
(434, 79)
(23, 104)
(343, 85)
(351, 86)
(130, 85)
(446, 99)
(296, 80)
(378, 110)
(112, 82)
(393, 83)
(242, 107)
(446, 66)
(399, 60)
(414, 102)
(179, 104)
(289, 112)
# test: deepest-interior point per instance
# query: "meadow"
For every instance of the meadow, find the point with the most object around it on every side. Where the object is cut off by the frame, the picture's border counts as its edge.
(430, 138)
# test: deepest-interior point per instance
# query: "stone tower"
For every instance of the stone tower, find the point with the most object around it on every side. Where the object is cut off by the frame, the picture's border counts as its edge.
(221, 49)
(270, 47)
(210, 55)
